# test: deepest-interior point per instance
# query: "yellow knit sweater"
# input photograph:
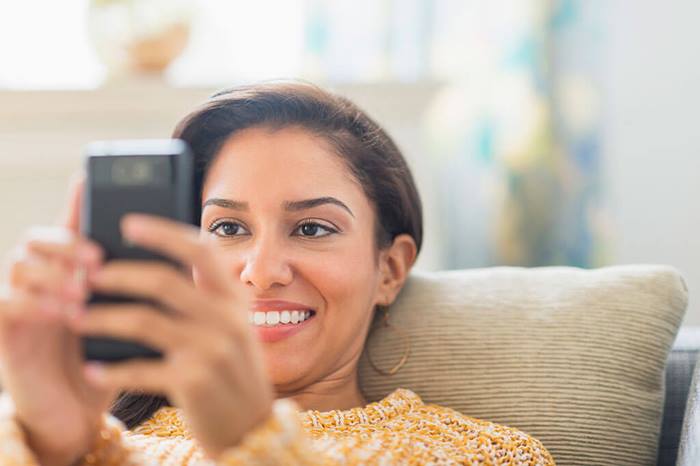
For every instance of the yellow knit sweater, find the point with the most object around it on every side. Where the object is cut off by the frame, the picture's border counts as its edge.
(400, 429)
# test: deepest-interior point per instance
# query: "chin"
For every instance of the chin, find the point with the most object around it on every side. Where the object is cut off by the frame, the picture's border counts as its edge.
(288, 372)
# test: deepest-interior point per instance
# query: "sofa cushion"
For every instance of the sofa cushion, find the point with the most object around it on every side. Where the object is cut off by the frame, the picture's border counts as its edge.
(573, 357)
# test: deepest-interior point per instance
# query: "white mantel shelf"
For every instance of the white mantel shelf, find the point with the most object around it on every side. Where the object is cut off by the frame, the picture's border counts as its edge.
(52, 127)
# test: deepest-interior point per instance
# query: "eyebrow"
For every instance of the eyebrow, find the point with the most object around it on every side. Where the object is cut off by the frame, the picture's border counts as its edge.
(289, 206)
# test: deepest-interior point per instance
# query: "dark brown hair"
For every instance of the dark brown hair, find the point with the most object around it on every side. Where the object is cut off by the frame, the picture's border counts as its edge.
(367, 150)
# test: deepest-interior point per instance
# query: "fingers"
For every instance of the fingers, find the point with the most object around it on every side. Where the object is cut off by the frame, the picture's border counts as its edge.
(48, 260)
(149, 279)
(196, 366)
(180, 242)
(134, 375)
(48, 277)
(61, 244)
(137, 322)
(28, 307)
(70, 218)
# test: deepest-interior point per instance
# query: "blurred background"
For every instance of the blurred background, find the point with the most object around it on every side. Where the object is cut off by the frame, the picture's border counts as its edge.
(540, 132)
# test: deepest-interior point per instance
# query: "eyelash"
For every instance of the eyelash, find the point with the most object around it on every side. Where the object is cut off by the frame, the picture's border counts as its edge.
(214, 226)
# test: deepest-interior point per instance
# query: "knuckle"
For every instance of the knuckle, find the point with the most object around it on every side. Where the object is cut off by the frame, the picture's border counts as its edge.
(137, 322)
(162, 277)
(148, 320)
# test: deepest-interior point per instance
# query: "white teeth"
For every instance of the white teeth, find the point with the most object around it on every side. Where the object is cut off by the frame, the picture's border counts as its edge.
(272, 318)
(284, 317)
(259, 318)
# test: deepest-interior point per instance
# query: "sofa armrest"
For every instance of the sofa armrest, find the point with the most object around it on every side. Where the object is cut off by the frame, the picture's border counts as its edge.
(689, 446)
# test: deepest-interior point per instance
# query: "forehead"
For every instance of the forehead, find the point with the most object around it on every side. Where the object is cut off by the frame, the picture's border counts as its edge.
(288, 162)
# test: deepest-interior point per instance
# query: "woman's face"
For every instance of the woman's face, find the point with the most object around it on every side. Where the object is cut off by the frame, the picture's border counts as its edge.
(254, 213)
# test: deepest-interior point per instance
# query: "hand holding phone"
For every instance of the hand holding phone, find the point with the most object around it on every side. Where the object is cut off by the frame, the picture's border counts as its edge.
(152, 176)
(41, 357)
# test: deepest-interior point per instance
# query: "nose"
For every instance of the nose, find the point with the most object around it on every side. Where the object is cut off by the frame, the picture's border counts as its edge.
(265, 265)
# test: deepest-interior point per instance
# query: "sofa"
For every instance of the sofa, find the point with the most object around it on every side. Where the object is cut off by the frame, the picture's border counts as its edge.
(681, 418)
(590, 362)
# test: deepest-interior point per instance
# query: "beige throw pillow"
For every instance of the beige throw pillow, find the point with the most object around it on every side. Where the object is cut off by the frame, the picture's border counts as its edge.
(573, 357)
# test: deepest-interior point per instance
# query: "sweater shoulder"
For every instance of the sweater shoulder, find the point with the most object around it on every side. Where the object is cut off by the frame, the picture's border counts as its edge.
(498, 440)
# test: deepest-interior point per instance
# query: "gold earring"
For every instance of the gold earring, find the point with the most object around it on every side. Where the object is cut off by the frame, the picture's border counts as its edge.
(407, 345)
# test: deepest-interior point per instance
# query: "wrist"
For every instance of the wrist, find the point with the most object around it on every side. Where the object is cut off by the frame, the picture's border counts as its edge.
(48, 454)
(104, 447)
(55, 459)
(277, 439)
(27, 446)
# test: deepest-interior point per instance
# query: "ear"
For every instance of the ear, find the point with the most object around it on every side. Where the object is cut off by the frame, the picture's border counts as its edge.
(395, 264)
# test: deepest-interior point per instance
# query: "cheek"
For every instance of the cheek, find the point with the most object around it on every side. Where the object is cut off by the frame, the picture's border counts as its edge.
(348, 286)
(347, 276)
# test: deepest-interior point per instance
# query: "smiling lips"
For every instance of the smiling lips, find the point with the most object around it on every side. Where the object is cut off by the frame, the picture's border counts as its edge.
(277, 320)
(270, 318)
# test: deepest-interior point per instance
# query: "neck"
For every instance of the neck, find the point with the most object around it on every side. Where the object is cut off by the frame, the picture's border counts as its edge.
(336, 392)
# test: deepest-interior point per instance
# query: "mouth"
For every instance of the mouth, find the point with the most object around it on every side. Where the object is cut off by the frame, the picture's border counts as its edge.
(272, 326)
(279, 318)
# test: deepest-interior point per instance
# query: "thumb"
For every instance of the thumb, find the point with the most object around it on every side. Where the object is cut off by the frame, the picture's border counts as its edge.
(70, 217)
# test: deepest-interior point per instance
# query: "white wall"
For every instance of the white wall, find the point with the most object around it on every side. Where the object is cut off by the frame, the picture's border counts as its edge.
(651, 138)
(652, 135)
(42, 135)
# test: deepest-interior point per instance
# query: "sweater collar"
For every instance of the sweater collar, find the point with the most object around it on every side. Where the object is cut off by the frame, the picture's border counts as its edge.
(397, 403)
(169, 421)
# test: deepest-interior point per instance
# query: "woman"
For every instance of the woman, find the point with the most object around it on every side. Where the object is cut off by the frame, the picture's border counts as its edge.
(310, 221)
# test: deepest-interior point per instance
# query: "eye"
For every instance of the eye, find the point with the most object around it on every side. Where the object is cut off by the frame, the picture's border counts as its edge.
(228, 228)
(224, 228)
(310, 228)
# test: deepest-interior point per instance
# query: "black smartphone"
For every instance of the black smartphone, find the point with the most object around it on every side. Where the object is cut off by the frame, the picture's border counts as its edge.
(152, 176)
